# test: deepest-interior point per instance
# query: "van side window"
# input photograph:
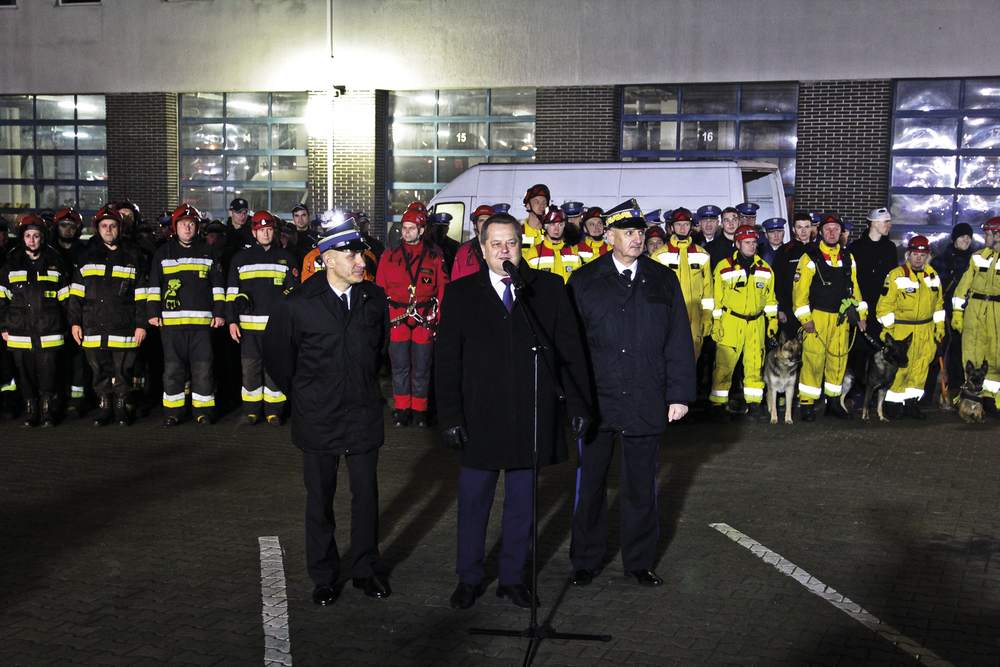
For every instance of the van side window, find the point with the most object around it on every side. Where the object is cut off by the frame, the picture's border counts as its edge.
(457, 211)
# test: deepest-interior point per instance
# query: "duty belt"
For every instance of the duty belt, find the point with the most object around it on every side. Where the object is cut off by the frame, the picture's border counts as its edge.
(984, 297)
(914, 322)
(748, 318)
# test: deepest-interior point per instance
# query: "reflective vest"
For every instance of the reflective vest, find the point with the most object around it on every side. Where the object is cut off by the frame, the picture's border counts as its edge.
(557, 258)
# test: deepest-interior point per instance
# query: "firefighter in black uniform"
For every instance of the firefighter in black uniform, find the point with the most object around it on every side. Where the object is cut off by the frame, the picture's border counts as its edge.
(107, 313)
(76, 376)
(185, 297)
(259, 278)
(34, 283)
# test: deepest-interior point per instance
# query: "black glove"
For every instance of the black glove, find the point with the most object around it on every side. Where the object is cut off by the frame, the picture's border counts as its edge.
(454, 438)
(579, 426)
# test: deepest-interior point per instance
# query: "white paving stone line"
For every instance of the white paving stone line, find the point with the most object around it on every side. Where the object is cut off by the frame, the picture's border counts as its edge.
(921, 654)
(274, 604)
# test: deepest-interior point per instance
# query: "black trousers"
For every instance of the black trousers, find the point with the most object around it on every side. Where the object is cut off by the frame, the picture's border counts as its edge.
(8, 372)
(112, 370)
(37, 372)
(640, 524)
(258, 385)
(187, 352)
(322, 554)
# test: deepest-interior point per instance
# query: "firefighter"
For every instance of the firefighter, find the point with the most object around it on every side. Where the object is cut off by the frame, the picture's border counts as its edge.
(694, 271)
(827, 301)
(745, 310)
(186, 298)
(107, 314)
(655, 239)
(68, 226)
(593, 244)
(912, 304)
(414, 279)
(536, 202)
(977, 309)
(34, 283)
(469, 257)
(259, 278)
(552, 254)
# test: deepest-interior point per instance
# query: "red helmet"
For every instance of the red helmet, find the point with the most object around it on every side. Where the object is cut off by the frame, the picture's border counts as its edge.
(184, 212)
(67, 213)
(262, 219)
(831, 219)
(680, 214)
(417, 206)
(553, 215)
(744, 232)
(535, 191)
(108, 212)
(992, 225)
(593, 212)
(29, 220)
(482, 209)
(655, 232)
(417, 216)
(918, 243)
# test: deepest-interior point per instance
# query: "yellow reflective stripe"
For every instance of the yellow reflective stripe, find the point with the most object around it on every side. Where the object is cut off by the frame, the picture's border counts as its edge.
(52, 341)
(19, 342)
(187, 320)
(50, 294)
(253, 322)
(202, 400)
(63, 293)
(76, 289)
(17, 276)
(173, 400)
(274, 275)
(251, 395)
(49, 277)
(5, 293)
(127, 272)
(167, 270)
(91, 341)
(271, 396)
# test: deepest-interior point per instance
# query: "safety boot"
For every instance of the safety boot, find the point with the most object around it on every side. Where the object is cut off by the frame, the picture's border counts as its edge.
(47, 412)
(104, 411)
(30, 413)
(420, 419)
(251, 419)
(756, 412)
(400, 418)
(913, 411)
(834, 409)
(719, 414)
(122, 413)
(893, 411)
(807, 412)
(274, 420)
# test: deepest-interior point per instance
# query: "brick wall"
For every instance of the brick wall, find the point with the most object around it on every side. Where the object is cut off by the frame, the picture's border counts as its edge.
(577, 124)
(842, 154)
(142, 150)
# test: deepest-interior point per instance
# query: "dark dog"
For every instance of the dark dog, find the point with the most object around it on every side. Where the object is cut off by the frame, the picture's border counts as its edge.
(970, 407)
(781, 373)
(880, 372)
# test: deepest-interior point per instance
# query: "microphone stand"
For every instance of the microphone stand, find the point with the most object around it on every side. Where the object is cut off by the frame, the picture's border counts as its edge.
(535, 633)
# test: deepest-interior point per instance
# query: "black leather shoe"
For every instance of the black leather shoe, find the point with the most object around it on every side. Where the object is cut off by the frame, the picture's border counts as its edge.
(645, 577)
(582, 578)
(518, 594)
(170, 422)
(374, 587)
(465, 595)
(325, 595)
(400, 418)
(420, 419)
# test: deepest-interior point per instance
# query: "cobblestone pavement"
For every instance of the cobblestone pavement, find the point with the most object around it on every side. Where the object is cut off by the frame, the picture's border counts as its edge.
(140, 546)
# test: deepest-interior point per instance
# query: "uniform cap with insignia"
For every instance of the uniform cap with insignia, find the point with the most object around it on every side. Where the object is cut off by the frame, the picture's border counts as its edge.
(340, 233)
(500, 208)
(772, 224)
(653, 217)
(744, 232)
(626, 215)
(709, 211)
(239, 204)
(747, 208)
(572, 208)
(441, 218)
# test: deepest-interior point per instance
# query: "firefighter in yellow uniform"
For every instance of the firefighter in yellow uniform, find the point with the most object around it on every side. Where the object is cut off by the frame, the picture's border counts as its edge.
(552, 254)
(826, 298)
(536, 203)
(745, 311)
(593, 244)
(693, 267)
(976, 313)
(912, 304)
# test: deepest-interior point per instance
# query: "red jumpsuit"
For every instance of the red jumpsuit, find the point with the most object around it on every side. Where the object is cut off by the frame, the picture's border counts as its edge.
(413, 278)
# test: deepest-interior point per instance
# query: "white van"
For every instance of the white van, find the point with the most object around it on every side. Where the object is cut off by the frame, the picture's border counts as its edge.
(656, 185)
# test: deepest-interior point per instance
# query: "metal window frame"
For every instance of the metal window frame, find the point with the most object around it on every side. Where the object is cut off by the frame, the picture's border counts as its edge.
(960, 113)
(489, 120)
(36, 154)
(737, 117)
(235, 186)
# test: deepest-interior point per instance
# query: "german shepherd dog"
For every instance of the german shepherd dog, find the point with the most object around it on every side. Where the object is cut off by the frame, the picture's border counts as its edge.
(970, 407)
(880, 372)
(781, 373)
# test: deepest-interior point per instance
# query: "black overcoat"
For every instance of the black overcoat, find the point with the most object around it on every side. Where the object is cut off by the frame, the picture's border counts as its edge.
(483, 370)
(638, 340)
(328, 365)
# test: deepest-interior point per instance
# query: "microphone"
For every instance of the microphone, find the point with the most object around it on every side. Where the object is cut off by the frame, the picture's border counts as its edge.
(515, 275)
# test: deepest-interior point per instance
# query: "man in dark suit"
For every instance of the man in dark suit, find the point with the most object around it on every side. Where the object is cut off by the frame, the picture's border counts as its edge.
(484, 371)
(322, 347)
(642, 356)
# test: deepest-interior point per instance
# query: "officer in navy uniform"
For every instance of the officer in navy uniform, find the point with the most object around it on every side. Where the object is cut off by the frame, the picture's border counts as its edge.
(774, 237)
(707, 217)
(573, 233)
(636, 327)
(322, 346)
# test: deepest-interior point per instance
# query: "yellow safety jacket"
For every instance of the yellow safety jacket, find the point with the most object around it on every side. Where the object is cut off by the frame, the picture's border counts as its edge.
(746, 295)
(588, 249)
(530, 236)
(911, 299)
(693, 267)
(823, 289)
(557, 258)
(982, 278)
